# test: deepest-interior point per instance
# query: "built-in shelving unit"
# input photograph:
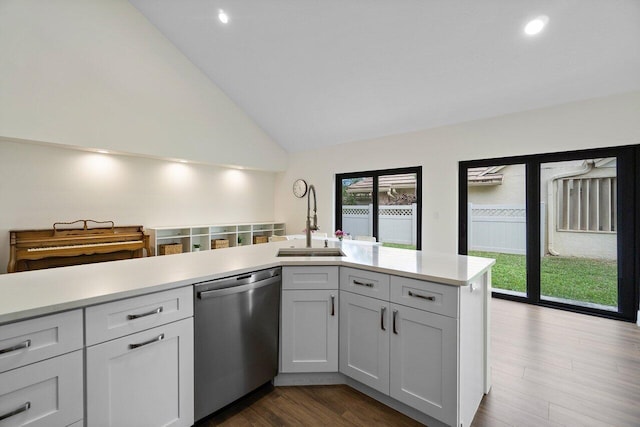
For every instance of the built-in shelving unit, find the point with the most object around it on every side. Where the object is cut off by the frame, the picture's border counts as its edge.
(236, 234)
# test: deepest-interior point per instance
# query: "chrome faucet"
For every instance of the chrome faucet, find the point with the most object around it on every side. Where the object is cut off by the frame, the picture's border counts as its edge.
(310, 227)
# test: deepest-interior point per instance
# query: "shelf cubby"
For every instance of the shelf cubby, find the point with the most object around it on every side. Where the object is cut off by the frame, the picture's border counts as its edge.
(236, 234)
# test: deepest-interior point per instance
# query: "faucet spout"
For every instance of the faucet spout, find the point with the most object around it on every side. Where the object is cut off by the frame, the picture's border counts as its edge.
(311, 225)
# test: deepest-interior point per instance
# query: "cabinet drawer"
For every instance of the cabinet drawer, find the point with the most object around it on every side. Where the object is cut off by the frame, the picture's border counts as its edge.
(119, 318)
(365, 282)
(310, 278)
(47, 393)
(429, 296)
(33, 340)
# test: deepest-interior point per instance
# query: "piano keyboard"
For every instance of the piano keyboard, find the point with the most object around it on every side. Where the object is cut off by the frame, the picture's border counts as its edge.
(90, 245)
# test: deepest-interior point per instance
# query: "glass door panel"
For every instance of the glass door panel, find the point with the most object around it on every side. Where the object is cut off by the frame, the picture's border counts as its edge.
(357, 206)
(497, 223)
(579, 264)
(398, 210)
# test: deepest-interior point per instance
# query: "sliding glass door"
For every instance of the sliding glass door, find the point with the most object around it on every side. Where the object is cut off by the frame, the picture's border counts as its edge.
(497, 225)
(562, 227)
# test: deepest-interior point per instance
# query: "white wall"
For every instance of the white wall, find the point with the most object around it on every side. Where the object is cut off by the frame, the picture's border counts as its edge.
(40, 185)
(609, 121)
(96, 73)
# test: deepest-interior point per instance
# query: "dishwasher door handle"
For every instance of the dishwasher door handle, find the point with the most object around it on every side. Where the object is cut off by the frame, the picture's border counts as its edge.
(238, 289)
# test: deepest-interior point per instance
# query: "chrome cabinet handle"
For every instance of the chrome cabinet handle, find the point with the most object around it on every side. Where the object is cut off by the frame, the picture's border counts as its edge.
(20, 410)
(23, 344)
(382, 311)
(395, 315)
(430, 298)
(333, 305)
(368, 285)
(152, 312)
(156, 339)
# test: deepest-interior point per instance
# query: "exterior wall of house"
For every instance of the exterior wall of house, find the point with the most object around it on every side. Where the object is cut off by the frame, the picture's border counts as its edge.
(511, 193)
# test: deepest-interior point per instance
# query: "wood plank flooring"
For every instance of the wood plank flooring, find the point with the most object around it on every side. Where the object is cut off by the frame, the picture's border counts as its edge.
(550, 368)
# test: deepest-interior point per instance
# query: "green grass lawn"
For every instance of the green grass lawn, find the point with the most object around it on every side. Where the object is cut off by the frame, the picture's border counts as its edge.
(399, 245)
(577, 279)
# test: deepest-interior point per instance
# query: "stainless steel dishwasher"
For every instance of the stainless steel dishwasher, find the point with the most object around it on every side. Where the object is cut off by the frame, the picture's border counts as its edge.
(236, 337)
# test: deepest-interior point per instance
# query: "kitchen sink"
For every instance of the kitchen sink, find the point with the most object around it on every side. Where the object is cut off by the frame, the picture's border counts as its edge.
(310, 252)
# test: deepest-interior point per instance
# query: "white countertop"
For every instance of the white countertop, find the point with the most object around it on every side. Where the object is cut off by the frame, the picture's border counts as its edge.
(34, 293)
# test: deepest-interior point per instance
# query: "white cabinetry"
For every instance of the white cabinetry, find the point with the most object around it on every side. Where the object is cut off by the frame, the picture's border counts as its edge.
(423, 362)
(41, 371)
(405, 337)
(143, 378)
(364, 340)
(309, 326)
(202, 235)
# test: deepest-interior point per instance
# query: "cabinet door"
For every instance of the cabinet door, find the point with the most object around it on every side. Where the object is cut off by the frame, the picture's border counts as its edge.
(43, 394)
(309, 335)
(364, 340)
(144, 379)
(424, 360)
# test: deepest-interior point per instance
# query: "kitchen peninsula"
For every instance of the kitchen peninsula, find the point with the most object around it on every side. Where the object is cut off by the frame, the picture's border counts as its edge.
(452, 290)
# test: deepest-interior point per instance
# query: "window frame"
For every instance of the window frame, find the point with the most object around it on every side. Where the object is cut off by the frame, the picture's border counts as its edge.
(376, 174)
(628, 224)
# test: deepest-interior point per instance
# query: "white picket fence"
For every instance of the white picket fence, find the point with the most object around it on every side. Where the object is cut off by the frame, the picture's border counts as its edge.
(397, 223)
(501, 228)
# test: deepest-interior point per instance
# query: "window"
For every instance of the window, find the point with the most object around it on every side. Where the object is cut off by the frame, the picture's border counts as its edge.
(563, 227)
(587, 204)
(384, 205)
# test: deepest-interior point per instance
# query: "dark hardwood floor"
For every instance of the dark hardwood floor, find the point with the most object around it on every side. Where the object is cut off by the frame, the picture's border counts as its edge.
(550, 368)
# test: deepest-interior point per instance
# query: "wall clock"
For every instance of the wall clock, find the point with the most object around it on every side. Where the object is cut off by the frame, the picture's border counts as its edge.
(300, 188)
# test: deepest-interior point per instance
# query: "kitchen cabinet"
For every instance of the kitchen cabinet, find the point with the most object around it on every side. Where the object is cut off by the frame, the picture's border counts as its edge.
(41, 361)
(423, 364)
(43, 394)
(143, 378)
(364, 340)
(309, 324)
(407, 343)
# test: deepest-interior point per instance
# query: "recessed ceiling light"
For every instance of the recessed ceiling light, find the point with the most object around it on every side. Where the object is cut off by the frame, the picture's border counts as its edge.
(535, 26)
(103, 152)
(182, 161)
(222, 16)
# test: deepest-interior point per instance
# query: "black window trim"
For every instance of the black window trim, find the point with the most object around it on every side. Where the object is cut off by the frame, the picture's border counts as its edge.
(375, 174)
(628, 220)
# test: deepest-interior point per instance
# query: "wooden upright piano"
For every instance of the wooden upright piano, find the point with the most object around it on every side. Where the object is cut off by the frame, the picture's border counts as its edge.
(71, 244)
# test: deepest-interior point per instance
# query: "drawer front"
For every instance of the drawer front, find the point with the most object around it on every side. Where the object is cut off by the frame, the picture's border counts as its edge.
(364, 282)
(310, 278)
(47, 393)
(33, 340)
(119, 318)
(434, 297)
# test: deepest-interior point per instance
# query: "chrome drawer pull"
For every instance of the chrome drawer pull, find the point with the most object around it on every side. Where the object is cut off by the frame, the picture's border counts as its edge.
(137, 316)
(24, 344)
(368, 285)
(20, 410)
(382, 311)
(430, 298)
(151, 341)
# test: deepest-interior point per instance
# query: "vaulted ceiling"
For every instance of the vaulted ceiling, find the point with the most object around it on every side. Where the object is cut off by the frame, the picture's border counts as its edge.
(320, 72)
